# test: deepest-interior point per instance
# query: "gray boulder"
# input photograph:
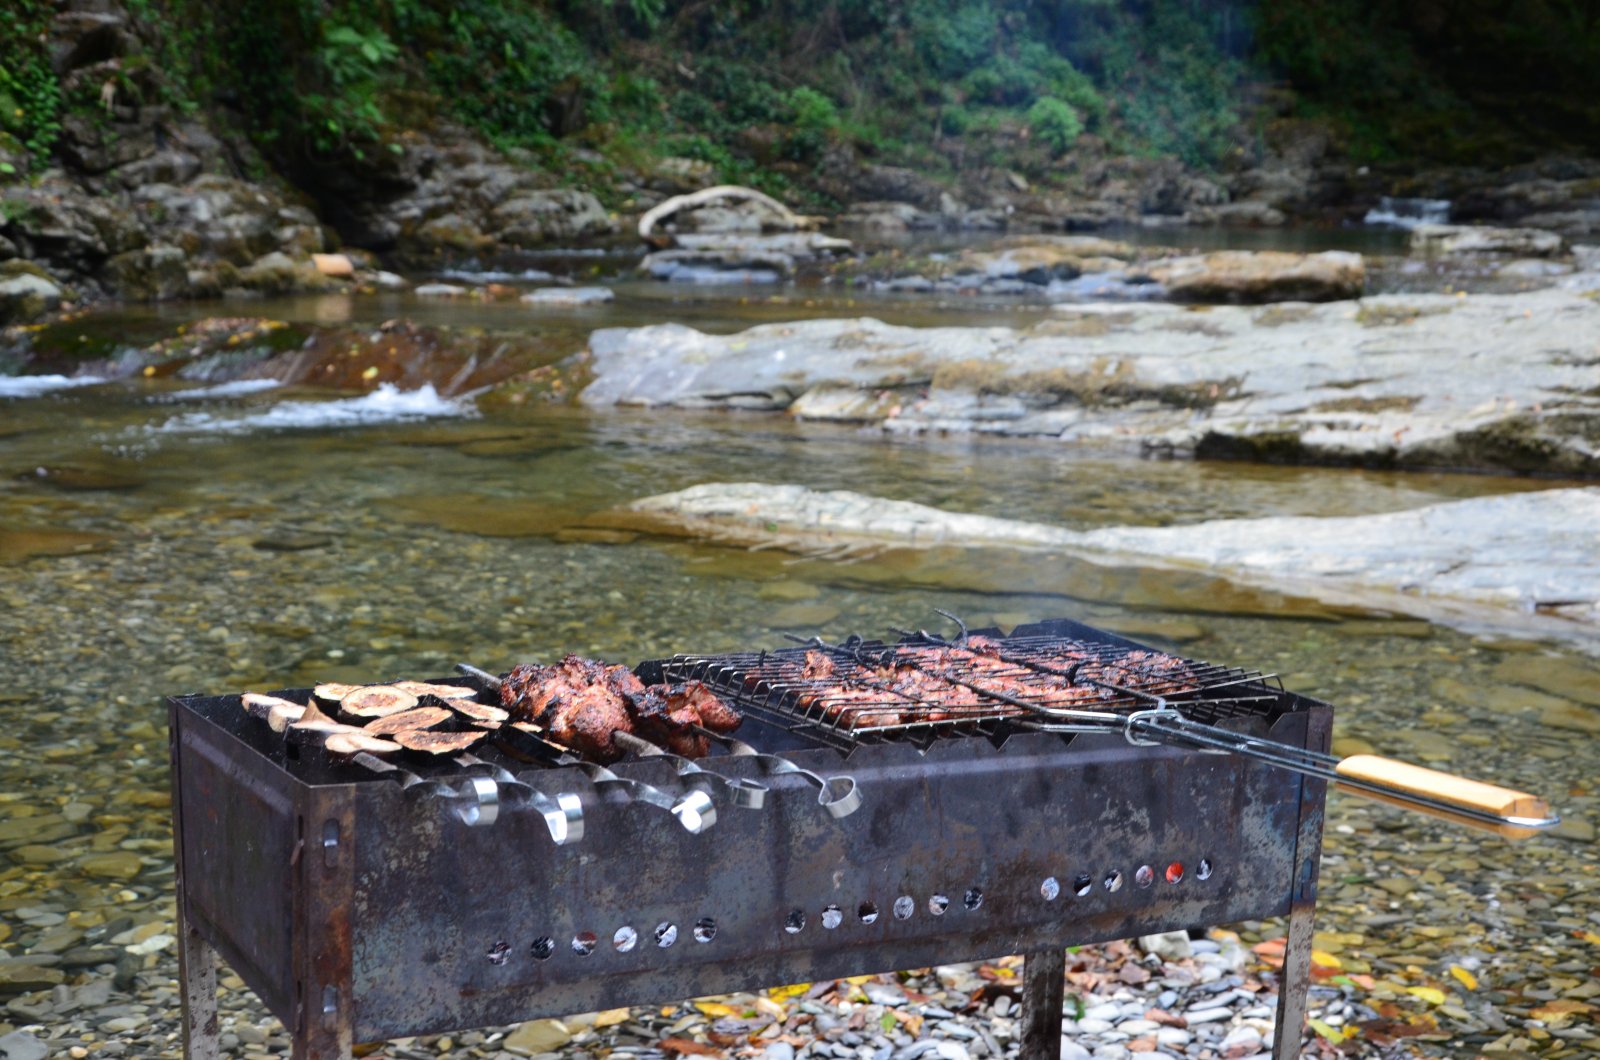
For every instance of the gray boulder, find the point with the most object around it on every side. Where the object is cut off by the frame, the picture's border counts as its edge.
(28, 292)
(153, 274)
(1482, 239)
(536, 217)
(1243, 277)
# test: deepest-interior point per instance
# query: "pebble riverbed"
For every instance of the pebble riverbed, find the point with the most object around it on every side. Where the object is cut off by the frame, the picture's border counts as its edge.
(159, 566)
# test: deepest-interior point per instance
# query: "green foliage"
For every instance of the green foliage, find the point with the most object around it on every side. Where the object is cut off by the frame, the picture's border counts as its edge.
(1055, 124)
(30, 94)
(815, 120)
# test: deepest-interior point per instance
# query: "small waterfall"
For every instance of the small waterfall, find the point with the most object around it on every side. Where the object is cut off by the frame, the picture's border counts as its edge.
(1408, 213)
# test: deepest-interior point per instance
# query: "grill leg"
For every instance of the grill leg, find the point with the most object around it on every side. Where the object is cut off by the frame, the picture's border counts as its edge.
(1294, 983)
(1043, 991)
(197, 971)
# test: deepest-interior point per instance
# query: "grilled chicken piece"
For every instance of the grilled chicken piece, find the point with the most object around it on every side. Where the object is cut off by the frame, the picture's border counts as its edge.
(581, 703)
(715, 713)
(584, 719)
(819, 666)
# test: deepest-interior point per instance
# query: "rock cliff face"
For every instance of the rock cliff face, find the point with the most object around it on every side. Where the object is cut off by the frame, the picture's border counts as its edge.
(149, 203)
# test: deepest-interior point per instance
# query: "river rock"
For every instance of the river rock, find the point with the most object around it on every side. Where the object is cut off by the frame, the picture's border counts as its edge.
(1254, 277)
(28, 292)
(1482, 239)
(1482, 382)
(152, 274)
(567, 297)
(1455, 561)
(536, 217)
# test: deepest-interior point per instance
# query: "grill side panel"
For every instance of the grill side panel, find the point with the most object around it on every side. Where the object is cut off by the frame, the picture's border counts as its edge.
(236, 838)
(445, 918)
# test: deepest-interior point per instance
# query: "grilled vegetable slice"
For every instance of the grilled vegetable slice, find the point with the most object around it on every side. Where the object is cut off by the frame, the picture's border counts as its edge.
(438, 743)
(423, 688)
(333, 691)
(377, 701)
(279, 713)
(349, 743)
(417, 718)
(475, 711)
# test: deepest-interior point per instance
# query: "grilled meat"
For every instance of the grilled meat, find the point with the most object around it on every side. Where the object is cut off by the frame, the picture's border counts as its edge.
(978, 679)
(581, 703)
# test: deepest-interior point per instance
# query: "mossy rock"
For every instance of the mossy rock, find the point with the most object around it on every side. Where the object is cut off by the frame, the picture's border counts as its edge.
(28, 292)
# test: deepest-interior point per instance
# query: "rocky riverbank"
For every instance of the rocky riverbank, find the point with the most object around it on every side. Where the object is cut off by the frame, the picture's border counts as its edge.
(141, 200)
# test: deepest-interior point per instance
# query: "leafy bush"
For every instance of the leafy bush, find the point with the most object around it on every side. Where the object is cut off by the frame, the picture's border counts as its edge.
(1054, 124)
(30, 94)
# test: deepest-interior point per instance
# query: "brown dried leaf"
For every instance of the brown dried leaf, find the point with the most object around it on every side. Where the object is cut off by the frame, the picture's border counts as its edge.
(416, 718)
(684, 1046)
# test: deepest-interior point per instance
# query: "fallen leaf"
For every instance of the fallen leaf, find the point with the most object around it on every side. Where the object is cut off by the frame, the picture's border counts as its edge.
(910, 1020)
(611, 1017)
(1464, 977)
(717, 1008)
(1587, 936)
(1332, 1033)
(784, 993)
(772, 1008)
(1325, 960)
(685, 1046)
(1432, 995)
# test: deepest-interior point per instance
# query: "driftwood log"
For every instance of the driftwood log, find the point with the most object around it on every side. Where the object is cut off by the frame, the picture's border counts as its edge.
(729, 192)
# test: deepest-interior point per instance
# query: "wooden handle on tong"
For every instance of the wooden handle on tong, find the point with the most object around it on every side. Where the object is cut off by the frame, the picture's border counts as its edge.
(1440, 787)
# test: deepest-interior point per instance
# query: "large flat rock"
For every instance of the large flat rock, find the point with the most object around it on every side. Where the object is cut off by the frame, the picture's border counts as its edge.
(1501, 382)
(1519, 559)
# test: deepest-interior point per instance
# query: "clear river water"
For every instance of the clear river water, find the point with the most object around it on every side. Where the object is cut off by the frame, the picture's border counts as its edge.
(159, 539)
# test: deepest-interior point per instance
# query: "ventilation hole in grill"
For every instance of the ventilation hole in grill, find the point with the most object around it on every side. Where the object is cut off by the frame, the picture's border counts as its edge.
(499, 952)
(904, 906)
(1113, 881)
(1050, 888)
(938, 904)
(705, 929)
(868, 912)
(544, 947)
(973, 898)
(583, 943)
(1175, 872)
(795, 922)
(666, 934)
(832, 917)
(1203, 872)
(1144, 875)
(625, 939)
(1082, 885)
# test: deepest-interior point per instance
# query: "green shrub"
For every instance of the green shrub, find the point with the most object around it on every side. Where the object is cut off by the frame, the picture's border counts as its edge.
(1054, 124)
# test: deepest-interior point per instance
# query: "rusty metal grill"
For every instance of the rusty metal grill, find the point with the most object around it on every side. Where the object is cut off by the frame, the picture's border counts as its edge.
(467, 894)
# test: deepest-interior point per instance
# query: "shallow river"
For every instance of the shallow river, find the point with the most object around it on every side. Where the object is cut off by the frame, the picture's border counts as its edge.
(219, 545)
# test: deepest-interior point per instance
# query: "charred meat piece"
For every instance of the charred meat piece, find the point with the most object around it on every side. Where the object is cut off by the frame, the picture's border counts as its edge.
(715, 713)
(670, 715)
